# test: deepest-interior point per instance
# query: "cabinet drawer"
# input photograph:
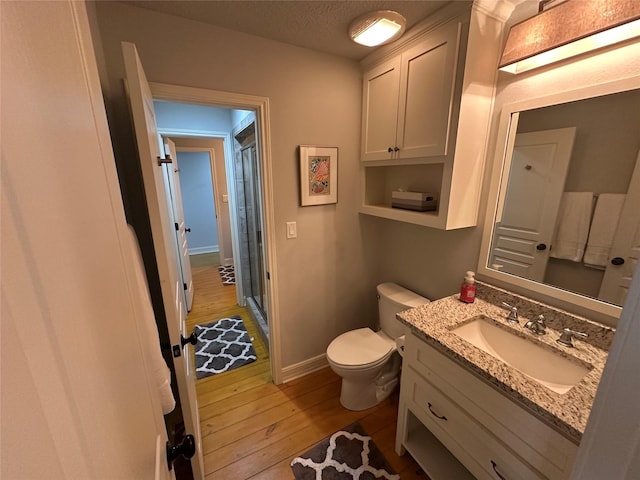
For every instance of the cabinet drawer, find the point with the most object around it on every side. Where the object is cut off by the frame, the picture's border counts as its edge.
(481, 452)
(537, 443)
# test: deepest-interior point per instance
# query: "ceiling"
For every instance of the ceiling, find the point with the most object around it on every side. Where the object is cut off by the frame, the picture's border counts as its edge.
(316, 24)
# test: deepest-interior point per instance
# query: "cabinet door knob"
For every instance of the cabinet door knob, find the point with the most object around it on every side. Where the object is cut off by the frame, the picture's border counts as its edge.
(541, 246)
(390, 150)
(396, 149)
(617, 261)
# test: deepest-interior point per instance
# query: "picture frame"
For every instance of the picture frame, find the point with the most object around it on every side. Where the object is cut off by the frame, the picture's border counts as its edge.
(318, 175)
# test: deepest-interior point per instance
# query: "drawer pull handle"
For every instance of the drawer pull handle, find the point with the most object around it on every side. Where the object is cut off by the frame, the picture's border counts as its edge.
(495, 469)
(441, 417)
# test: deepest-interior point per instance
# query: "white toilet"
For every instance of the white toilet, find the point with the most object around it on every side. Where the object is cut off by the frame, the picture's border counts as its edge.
(368, 361)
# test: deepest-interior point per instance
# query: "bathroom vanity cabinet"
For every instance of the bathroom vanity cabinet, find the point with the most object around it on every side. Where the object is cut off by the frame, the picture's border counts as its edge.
(426, 112)
(457, 426)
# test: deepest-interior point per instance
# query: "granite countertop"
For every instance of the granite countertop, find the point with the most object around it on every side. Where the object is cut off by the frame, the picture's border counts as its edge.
(568, 412)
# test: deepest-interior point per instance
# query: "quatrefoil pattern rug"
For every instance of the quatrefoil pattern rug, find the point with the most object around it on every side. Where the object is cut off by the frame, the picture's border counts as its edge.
(227, 274)
(348, 454)
(222, 346)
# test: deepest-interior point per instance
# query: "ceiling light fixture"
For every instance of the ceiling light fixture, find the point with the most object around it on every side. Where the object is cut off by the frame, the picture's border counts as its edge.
(571, 28)
(377, 28)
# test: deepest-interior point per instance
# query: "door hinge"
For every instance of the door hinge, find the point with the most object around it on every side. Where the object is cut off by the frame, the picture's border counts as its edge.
(177, 351)
(184, 285)
(177, 226)
(164, 160)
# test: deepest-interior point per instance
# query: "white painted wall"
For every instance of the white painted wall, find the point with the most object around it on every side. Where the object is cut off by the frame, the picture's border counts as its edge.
(324, 283)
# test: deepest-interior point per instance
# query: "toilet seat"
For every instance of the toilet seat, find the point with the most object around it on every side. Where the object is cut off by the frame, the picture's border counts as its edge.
(360, 348)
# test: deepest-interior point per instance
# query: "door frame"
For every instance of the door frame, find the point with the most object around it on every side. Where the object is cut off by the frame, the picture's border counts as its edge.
(230, 181)
(214, 185)
(260, 105)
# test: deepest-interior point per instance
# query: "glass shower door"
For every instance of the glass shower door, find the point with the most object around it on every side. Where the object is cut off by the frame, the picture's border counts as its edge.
(251, 188)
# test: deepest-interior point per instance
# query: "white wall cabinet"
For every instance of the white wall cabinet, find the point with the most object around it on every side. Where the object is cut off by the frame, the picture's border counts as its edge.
(456, 426)
(407, 101)
(426, 111)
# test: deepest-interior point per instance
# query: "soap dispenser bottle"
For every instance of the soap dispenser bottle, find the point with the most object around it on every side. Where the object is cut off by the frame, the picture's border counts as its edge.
(468, 288)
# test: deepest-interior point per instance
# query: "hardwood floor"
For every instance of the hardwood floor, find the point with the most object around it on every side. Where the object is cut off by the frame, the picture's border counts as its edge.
(251, 428)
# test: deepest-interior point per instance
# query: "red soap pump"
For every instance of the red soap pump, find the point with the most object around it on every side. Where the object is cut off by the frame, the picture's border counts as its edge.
(468, 288)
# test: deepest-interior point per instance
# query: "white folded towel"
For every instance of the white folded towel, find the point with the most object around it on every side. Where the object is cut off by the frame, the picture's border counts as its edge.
(603, 228)
(572, 226)
(151, 339)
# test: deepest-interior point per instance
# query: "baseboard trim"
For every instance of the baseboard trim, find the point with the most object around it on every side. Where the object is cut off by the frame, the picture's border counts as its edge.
(200, 250)
(304, 368)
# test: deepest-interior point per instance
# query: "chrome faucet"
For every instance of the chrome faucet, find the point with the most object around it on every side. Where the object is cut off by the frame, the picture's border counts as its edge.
(567, 335)
(537, 326)
(512, 317)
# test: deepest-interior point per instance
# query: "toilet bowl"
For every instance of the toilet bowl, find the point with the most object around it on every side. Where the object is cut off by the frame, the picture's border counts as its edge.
(368, 361)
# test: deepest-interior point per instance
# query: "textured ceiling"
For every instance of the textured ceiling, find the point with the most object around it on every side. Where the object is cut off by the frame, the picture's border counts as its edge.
(316, 24)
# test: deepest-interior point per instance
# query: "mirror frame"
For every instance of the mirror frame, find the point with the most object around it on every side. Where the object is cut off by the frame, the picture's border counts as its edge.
(582, 305)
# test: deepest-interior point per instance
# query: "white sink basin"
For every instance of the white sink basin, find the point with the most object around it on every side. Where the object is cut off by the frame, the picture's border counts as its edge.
(550, 369)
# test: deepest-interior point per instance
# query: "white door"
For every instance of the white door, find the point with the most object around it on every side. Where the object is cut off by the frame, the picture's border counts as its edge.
(164, 241)
(625, 246)
(172, 172)
(526, 221)
(78, 397)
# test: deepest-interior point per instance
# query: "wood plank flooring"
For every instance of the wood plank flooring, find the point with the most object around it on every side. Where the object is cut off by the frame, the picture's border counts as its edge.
(251, 428)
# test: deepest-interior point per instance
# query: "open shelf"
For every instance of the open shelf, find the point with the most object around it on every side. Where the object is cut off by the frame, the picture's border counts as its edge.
(380, 181)
(434, 458)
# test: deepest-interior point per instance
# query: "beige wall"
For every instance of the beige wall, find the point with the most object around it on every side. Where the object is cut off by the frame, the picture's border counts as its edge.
(326, 277)
(324, 287)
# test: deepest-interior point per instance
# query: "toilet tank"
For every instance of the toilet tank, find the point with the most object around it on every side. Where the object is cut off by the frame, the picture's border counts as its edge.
(392, 299)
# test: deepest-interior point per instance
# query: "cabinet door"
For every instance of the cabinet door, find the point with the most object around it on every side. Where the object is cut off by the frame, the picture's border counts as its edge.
(380, 110)
(427, 81)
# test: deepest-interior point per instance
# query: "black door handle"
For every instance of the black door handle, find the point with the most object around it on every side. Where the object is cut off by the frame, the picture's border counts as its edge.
(617, 261)
(186, 448)
(192, 339)
(187, 230)
(541, 246)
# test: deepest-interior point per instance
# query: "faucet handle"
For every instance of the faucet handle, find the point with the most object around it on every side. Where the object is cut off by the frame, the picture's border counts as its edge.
(567, 335)
(537, 326)
(513, 313)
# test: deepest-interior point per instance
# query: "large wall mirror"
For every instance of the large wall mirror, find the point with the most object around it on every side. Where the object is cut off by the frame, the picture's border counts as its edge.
(564, 211)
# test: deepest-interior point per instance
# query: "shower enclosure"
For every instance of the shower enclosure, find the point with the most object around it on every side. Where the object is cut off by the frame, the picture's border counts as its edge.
(250, 224)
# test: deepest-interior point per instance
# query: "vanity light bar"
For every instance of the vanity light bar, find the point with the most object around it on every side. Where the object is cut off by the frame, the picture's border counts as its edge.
(567, 30)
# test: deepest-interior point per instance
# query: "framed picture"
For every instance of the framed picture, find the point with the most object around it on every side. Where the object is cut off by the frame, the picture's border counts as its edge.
(318, 175)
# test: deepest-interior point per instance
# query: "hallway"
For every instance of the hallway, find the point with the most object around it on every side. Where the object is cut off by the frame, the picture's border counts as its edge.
(251, 428)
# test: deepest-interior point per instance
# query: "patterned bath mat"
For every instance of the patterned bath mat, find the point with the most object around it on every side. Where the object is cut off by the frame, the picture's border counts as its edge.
(222, 346)
(347, 454)
(227, 274)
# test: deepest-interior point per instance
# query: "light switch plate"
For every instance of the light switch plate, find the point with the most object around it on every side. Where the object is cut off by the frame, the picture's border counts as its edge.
(292, 230)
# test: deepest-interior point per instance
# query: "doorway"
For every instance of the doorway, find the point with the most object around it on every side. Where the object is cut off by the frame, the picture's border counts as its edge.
(247, 172)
